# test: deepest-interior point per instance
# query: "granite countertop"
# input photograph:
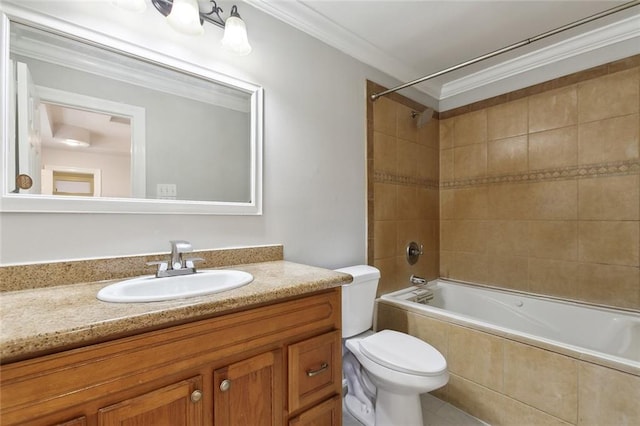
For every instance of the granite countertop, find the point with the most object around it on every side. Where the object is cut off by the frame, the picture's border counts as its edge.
(44, 320)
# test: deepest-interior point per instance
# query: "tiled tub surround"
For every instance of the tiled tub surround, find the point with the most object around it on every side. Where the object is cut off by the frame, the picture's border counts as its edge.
(48, 319)
(541, 194)
(402, 180)
(506, 379)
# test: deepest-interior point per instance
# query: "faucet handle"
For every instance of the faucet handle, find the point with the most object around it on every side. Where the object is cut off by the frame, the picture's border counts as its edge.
(189, 262)
(162, 265)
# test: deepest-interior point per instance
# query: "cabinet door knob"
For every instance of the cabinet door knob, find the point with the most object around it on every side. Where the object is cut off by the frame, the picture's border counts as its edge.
(196, 396)
(225, 385)
(322, 368)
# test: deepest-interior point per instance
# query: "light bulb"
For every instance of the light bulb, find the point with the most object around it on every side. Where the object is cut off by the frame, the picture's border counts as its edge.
(185, 17)
(235, 38)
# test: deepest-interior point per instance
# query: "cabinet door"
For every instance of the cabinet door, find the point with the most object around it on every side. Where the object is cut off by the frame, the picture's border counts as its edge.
(179, 404)
(315, 370)
(328, 413)
(249, 392)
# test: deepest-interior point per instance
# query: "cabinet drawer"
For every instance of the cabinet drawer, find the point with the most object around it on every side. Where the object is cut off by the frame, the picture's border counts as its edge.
(315, 370)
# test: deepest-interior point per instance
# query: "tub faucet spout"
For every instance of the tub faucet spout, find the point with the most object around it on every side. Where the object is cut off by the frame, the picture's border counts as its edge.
(416, 280)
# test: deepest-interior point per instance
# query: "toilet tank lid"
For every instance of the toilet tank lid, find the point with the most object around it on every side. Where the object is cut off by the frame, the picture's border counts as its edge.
(361, 272)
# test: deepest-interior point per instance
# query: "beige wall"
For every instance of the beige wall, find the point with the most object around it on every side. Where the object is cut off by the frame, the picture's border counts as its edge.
(403, 190)
(541, 193)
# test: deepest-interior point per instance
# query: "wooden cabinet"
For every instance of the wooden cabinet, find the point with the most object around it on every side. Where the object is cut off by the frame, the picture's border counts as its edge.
(327, 413)
(249, 392)
(179, 404)
(263, 366)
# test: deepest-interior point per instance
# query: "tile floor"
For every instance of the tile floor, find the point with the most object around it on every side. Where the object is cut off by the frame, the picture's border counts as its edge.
(435, 412)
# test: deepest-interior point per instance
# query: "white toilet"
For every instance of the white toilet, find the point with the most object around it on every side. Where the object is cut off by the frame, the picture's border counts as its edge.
(399, 365)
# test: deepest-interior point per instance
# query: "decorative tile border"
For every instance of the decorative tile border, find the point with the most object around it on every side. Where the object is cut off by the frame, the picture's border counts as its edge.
(618, 168)
(385, 177)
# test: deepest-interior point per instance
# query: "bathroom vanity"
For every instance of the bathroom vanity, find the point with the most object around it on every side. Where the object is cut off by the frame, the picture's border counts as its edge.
(266, 354)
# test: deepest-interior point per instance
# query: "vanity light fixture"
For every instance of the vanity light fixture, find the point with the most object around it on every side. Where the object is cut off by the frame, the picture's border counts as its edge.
(187, 17)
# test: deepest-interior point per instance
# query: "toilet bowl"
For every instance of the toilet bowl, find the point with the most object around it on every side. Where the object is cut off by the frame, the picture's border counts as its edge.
(400, 366)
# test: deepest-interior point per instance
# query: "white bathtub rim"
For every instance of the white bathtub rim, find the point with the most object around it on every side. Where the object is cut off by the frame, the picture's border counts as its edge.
(580, 353)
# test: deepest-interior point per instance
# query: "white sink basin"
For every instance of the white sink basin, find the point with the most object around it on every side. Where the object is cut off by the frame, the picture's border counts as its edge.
(152, 289)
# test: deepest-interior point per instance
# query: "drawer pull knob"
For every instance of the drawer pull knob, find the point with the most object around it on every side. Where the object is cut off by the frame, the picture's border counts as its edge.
(322, 368)
(225, 385)
(196, 396)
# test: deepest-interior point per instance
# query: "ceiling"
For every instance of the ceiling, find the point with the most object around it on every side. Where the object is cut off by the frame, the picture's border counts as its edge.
(411, 39)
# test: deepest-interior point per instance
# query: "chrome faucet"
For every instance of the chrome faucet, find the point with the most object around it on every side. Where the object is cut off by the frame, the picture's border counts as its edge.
(177, 265)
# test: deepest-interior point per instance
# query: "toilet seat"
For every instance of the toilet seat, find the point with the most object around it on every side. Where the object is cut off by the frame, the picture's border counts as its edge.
(404, 353)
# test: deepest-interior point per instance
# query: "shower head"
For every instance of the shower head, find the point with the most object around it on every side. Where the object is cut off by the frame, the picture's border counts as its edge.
(422, 117)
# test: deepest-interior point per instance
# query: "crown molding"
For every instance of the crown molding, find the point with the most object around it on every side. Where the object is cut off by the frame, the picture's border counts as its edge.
(309, 21)
(609, 35)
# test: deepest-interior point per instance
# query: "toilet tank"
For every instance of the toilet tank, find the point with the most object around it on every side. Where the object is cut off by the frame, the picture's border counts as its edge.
(358, 299)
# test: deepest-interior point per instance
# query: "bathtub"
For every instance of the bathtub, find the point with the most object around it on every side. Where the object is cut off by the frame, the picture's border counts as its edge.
(603, 336)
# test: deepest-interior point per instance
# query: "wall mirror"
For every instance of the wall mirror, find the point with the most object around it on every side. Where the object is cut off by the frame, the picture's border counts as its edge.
(89, 128)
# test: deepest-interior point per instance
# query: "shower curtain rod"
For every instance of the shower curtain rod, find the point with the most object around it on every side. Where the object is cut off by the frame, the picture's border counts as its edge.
(510, 47)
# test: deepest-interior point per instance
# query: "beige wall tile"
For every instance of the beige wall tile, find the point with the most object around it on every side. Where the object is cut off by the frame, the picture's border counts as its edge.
(553, 109)
(472, 267)
(553, 148)
(447, 263)
(607, 397)
(470, 161)
(553, 240)
(609, 198)
(407, 128)
(471, 203)
(510, 201)
(542, 379)
(408, 230)
(446, 133)
(507, 120)
(555, 200)
(470, 128)
(385, 153)
(389, 277)
(428, 203)
(508, 237)
(476, 400)
(612, 243)
(446, 165)
(391, 318)
(609, 96)
(384, 116)
(447, 234)
(429, 134)
(509, 272)
(407, 202)
(507, 155)
(614, 139)
(553, 277)
(432, 331)
(385, 201)
(493, 407)
(470, 236)
(447, 203)
(407, 158)
(476, 356)
(428, 163)
(386, 235)
(609, 285)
